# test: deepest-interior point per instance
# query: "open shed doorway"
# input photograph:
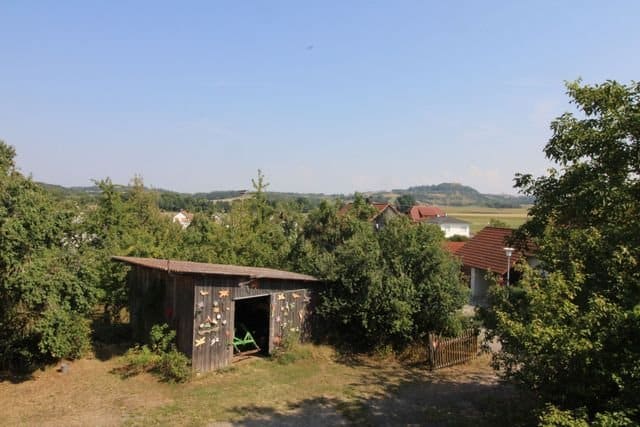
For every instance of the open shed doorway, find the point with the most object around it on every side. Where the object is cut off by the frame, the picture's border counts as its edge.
(252, 315)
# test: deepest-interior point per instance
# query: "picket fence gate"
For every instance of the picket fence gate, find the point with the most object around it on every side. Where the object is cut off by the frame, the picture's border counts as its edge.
(447, 351)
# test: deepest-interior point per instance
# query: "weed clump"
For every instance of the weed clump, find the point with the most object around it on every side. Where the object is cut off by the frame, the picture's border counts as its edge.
(290, 350)
(159, 357)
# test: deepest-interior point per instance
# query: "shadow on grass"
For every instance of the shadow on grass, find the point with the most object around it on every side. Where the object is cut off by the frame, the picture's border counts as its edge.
(408, 397)
(110, 339)
(16, 378)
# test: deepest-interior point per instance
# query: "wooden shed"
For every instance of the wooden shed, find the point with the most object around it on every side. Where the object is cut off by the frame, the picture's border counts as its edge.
(207, 304)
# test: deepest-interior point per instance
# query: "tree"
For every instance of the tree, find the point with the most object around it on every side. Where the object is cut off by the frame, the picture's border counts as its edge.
(386, 287)
(405, 202)
(47, 281)
(572, 333)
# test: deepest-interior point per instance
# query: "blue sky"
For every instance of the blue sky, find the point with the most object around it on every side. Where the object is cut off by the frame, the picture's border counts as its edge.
(331, 96)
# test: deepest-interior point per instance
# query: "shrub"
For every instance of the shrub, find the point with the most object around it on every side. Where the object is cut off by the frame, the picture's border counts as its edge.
(160, 357)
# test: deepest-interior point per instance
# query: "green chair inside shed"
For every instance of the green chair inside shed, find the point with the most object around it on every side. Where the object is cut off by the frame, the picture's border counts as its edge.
(244, 341)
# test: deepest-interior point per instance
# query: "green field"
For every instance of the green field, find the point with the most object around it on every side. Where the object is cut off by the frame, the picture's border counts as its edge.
(479, 216)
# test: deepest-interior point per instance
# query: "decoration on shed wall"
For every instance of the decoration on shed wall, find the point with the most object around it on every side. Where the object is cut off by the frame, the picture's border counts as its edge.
(295, 296)
(301, 314)
(214, 340)
(223, 293)
(281, 297)
(200, 341)
(204, 293)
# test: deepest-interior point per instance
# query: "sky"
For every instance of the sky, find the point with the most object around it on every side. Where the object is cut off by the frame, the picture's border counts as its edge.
(327, 96)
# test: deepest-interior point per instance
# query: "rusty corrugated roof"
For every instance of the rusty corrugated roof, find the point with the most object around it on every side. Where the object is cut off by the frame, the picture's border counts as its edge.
(485, 250)
(177, 266)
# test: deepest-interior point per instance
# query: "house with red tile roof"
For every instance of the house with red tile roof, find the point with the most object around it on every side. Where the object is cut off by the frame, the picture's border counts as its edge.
(484, 253)
(449, 225)
(420, 212)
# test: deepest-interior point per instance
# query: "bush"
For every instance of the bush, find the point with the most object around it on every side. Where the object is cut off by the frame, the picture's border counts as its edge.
(160, 357)
(64, 334)
(174, 366)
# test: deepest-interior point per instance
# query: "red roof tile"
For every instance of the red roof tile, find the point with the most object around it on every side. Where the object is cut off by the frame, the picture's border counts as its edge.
(453, 247)
(485, 250)
(419, 213)
(214, 269)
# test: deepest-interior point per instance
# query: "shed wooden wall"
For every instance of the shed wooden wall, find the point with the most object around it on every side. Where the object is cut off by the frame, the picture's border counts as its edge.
(201, 308)
(216, 295)
(156, 297)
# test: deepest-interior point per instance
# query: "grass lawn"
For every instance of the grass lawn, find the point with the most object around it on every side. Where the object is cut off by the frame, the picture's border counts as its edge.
(479, 217)
(324, 388)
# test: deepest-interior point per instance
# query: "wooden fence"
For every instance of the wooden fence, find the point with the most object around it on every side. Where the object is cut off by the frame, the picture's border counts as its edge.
(451, 351)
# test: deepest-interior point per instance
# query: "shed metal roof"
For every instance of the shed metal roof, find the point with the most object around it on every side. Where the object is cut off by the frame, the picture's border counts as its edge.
(177, 266)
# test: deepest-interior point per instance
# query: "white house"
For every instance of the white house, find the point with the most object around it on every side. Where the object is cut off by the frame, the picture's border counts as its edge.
(451, 226)
(183, 218)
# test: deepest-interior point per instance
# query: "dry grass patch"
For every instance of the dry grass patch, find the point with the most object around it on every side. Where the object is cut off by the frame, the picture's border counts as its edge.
(325, 388)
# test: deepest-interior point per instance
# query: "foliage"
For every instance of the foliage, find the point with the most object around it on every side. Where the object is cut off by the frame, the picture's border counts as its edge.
(405, 202)
(160, 357)
(384, 287)
(553, 417)
(46, 281)
(498, 223)
(128, 224)
(572, 334)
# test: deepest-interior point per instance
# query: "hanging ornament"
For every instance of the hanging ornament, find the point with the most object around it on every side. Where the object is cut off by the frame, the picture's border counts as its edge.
(223, 293)
(200, 341)
(204, 293)
(281, 297)
(295, 296)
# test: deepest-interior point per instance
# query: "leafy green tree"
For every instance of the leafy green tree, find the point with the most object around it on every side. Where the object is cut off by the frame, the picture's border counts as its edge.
(572, 334)
(47, 281)
(127, 224)
(405, 202)
(386, 287)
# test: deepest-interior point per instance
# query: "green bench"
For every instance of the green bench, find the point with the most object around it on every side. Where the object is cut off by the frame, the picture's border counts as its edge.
(247, 340)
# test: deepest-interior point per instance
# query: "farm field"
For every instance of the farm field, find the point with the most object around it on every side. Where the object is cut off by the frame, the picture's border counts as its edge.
(323, 388)
(479, 216)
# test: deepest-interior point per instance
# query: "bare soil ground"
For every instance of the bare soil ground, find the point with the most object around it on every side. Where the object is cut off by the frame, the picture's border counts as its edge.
(323, 389)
